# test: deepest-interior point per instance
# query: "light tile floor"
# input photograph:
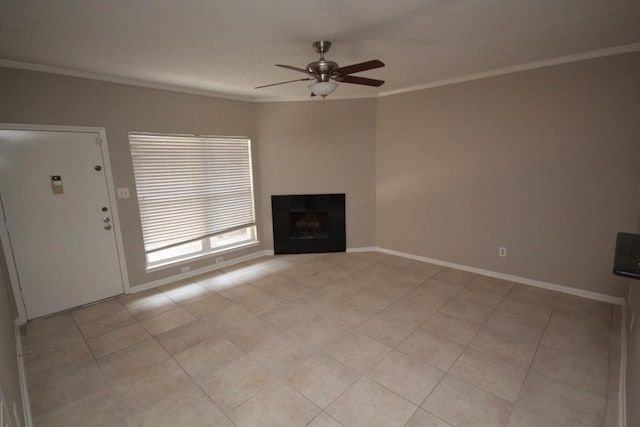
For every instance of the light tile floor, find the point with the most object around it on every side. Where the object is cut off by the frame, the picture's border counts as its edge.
(344, 339)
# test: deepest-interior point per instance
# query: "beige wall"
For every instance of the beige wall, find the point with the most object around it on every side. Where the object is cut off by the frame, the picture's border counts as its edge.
(320, 147)
(39, 98)
(9, 382)
(543, 162)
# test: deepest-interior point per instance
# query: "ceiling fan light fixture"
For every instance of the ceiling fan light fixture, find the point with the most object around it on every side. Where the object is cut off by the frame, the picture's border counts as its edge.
(323, 88)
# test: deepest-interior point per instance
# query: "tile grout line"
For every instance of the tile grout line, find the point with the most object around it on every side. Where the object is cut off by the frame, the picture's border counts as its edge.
(197, 384)
(460, 355)
(281, 378)
(540, 344)
(420, 406)
(512, 404)
(363, 375)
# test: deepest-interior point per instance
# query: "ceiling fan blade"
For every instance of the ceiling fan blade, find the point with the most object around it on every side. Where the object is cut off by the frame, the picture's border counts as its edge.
(291, 67)
(359, 80)
(281, 83)
(362, 66)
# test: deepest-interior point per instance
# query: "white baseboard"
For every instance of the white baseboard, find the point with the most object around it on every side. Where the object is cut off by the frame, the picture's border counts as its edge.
(192, 273)
(269, 252)
(22, 377)
(523, 280)
(622, 396)
(363, 249)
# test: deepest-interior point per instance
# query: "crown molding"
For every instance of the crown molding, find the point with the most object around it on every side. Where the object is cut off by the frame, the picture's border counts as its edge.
(600, 53)
(120, 80)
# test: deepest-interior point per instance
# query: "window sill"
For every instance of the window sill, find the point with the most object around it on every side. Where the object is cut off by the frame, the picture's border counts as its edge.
(170, 264)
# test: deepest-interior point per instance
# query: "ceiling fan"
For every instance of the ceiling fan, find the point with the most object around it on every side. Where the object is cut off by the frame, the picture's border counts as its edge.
(327, 73)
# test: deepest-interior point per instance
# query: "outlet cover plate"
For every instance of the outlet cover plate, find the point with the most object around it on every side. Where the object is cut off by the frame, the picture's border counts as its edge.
(123, 193)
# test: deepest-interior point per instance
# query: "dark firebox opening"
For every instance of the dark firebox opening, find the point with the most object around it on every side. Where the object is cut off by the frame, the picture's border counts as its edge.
(308, 223)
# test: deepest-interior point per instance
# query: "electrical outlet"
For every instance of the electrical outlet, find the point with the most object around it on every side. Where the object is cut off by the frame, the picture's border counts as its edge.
(502, 252)
(185, 269)
(123, 193)
(219, 260)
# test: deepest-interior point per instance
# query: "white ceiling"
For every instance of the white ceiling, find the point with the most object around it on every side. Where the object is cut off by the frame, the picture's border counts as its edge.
(230, 46)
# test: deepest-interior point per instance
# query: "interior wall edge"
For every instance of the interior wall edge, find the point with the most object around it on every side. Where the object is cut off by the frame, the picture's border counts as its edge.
(622, 386)
(26, 404)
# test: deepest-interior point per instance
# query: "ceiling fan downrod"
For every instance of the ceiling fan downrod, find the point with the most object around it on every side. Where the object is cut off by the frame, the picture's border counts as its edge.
(322, 69)
(321, 47)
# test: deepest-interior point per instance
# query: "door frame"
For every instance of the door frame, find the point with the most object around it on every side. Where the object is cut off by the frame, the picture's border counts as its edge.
(111, 192)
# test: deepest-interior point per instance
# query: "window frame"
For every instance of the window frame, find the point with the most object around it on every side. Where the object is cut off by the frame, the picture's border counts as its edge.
(216, 159)
(207, 251)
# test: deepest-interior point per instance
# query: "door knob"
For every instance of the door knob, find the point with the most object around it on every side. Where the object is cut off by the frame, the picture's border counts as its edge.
(107, 226)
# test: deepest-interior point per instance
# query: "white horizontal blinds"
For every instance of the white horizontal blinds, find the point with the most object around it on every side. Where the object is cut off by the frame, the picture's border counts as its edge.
(191, 187)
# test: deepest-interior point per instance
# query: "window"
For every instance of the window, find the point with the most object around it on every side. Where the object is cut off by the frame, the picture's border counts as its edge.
(195, 195)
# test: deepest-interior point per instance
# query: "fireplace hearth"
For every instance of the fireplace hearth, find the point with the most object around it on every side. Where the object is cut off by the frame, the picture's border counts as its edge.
(308, 223)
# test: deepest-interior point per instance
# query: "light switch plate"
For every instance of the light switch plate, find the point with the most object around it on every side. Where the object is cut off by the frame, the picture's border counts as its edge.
(123, 193)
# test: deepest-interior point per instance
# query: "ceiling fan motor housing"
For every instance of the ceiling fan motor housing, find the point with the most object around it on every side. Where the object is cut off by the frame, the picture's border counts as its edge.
(322, 70)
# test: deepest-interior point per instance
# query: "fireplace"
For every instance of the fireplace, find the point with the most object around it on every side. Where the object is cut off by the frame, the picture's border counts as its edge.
(308, 223)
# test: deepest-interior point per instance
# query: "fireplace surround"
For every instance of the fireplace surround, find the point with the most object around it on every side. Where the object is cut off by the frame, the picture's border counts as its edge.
(308, 223)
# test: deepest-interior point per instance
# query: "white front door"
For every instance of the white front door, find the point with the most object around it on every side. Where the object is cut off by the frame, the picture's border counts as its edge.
(55, 199)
